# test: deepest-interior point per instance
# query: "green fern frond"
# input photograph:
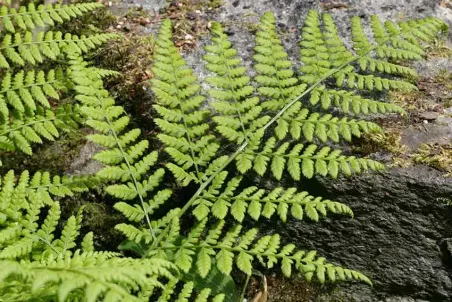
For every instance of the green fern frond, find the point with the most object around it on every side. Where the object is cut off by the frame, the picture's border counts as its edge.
(298, 159)
(299, 123)
(84, 276)
(276, 79)
(26, 129)
(126, 158)
(182, 117)
(350, 103)
(238, 110)
(257, 202)
(26, 91)
(28, 18)
(34, 48)
(241, 249)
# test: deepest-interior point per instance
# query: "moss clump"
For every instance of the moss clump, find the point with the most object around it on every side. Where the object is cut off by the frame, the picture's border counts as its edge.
(54, 157)
(435, 155)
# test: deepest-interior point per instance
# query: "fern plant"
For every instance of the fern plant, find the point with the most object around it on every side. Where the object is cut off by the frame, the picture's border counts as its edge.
(277, 127)
(274, 123)
(29, 95)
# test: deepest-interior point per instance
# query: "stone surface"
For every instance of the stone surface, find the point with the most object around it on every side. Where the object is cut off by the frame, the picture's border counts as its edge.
(415, 135)
(84, 164)
(400, 236)
(429, 115)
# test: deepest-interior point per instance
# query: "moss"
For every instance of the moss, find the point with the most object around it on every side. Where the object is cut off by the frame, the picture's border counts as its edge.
(54, 157)
(436, 156)
(374, 142)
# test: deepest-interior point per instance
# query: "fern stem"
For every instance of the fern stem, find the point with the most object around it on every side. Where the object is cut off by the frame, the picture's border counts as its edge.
(134, 180)
(242, 296)
(270, 123)
(192, 151)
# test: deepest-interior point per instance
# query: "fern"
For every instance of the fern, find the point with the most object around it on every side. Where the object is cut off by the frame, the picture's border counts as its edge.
(28, 96)
(44, 15)
(184, 130)
(283, 104)
(273, 122)
(237, 107)
(257, 202)
(29, 48)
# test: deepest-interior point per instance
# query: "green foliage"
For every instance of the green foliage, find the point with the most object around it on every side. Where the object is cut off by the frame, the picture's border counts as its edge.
(28, 94)
(271, 125)
(28, 18)
(277, 128)
(184, 127)
(237, 108)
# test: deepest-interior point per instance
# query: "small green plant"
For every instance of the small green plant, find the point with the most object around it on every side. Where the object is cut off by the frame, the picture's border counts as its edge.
(271, 126)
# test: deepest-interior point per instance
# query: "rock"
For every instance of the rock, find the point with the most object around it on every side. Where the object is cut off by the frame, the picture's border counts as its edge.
(395, 238)
(84, 164)
(413, 136)
(429, 115)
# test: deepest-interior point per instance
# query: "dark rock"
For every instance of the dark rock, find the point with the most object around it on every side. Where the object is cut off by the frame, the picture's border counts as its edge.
(396, 238)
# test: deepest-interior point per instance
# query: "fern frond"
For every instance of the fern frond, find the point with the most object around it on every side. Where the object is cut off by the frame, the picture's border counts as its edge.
(182, 118)
(26, 129)
(84, 276)
(30, 17)
(350, 103)
(276, 79)
(298, 159)
(238, 110)
(33, 48)
(257, 202)
(241, 249)
(27, 91)
(126, 158)
(300, 124)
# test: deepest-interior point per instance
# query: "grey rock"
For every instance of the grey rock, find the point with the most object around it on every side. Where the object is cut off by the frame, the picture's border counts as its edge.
(429, 115)
(413, 136)
(83, 164)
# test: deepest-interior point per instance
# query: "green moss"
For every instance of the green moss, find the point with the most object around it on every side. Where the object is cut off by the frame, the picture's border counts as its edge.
(55, 157)
(436, 156)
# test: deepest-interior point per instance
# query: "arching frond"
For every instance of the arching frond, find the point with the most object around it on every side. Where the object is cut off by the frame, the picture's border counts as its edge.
(182, 117)
(29, 17)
